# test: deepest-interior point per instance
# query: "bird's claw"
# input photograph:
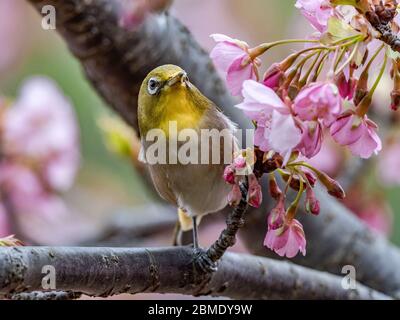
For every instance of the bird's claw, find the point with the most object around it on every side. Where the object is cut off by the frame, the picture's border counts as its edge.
(202, 261)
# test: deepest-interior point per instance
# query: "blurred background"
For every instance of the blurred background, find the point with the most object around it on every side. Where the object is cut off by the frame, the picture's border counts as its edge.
(107, 187)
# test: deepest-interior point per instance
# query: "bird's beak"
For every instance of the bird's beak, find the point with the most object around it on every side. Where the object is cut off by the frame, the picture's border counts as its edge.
(180, 76)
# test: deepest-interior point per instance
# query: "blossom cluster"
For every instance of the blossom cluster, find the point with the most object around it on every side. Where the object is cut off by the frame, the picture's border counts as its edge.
(39, 143)
(323, 90)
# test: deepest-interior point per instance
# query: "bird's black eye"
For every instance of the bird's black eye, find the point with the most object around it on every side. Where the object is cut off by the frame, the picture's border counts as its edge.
(153, 85)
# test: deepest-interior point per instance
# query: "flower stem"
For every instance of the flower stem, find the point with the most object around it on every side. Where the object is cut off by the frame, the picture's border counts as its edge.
(262, 48)
(267, 46)
(363, 107)
(379, 78)
(320, 67)
(303, 81)
(346, 63)
(291, 212)
(374, 57)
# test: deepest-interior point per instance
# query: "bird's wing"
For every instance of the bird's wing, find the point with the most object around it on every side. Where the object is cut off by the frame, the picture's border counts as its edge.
(160, 180)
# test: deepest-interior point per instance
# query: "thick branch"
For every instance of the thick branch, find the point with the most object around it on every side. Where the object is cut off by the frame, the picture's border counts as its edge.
(116, 61)
(166, 270)
(39, 295)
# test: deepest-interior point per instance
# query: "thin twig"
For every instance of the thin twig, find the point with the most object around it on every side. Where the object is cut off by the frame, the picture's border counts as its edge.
(234, 222)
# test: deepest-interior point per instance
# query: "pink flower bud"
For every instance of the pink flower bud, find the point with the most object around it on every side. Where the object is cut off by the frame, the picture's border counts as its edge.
(276, 218)
(229, 175)
(254, 193)
(239, 162)
(235, 195)
(359, 134)
(311, 202)
(332, 186)
(274, 189)
(311, 141)
(310, 177)
(346, 87)
(395, 104)
(319, 100)
(273, 77)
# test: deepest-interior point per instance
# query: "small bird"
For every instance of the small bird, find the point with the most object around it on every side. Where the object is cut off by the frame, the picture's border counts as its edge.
(197, 189)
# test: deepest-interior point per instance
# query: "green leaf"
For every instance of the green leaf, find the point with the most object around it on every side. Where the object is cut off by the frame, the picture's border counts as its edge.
(340, 30)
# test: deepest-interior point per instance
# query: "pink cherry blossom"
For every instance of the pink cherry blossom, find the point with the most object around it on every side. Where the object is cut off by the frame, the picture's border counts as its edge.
(287, 240)
(276, 127)
(359, 134)
(319, 100)
(41, 128)
(285, 237)
(28, 194)
(259, 101)
(389, 164)
(232, 57)
(311, 142)
(317, 12)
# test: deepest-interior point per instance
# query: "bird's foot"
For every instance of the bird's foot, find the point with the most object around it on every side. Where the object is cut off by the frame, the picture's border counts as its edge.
(202, 261)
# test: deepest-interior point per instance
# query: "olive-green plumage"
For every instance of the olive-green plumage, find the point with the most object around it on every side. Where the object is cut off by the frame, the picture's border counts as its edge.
(167, 95)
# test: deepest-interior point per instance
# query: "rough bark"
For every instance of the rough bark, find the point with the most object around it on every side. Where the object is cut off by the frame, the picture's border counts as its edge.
(166, 270)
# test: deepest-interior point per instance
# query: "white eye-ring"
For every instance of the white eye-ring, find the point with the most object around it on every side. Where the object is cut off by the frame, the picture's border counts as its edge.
(153, 85)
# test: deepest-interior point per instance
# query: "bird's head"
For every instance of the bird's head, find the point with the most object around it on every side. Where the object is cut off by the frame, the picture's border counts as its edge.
(167, 95)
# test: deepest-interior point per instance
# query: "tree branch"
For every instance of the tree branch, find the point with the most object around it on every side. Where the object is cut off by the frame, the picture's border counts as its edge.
(234, 222)
(166, 270)
(381, 22)
(39, 295)
(116, 61)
